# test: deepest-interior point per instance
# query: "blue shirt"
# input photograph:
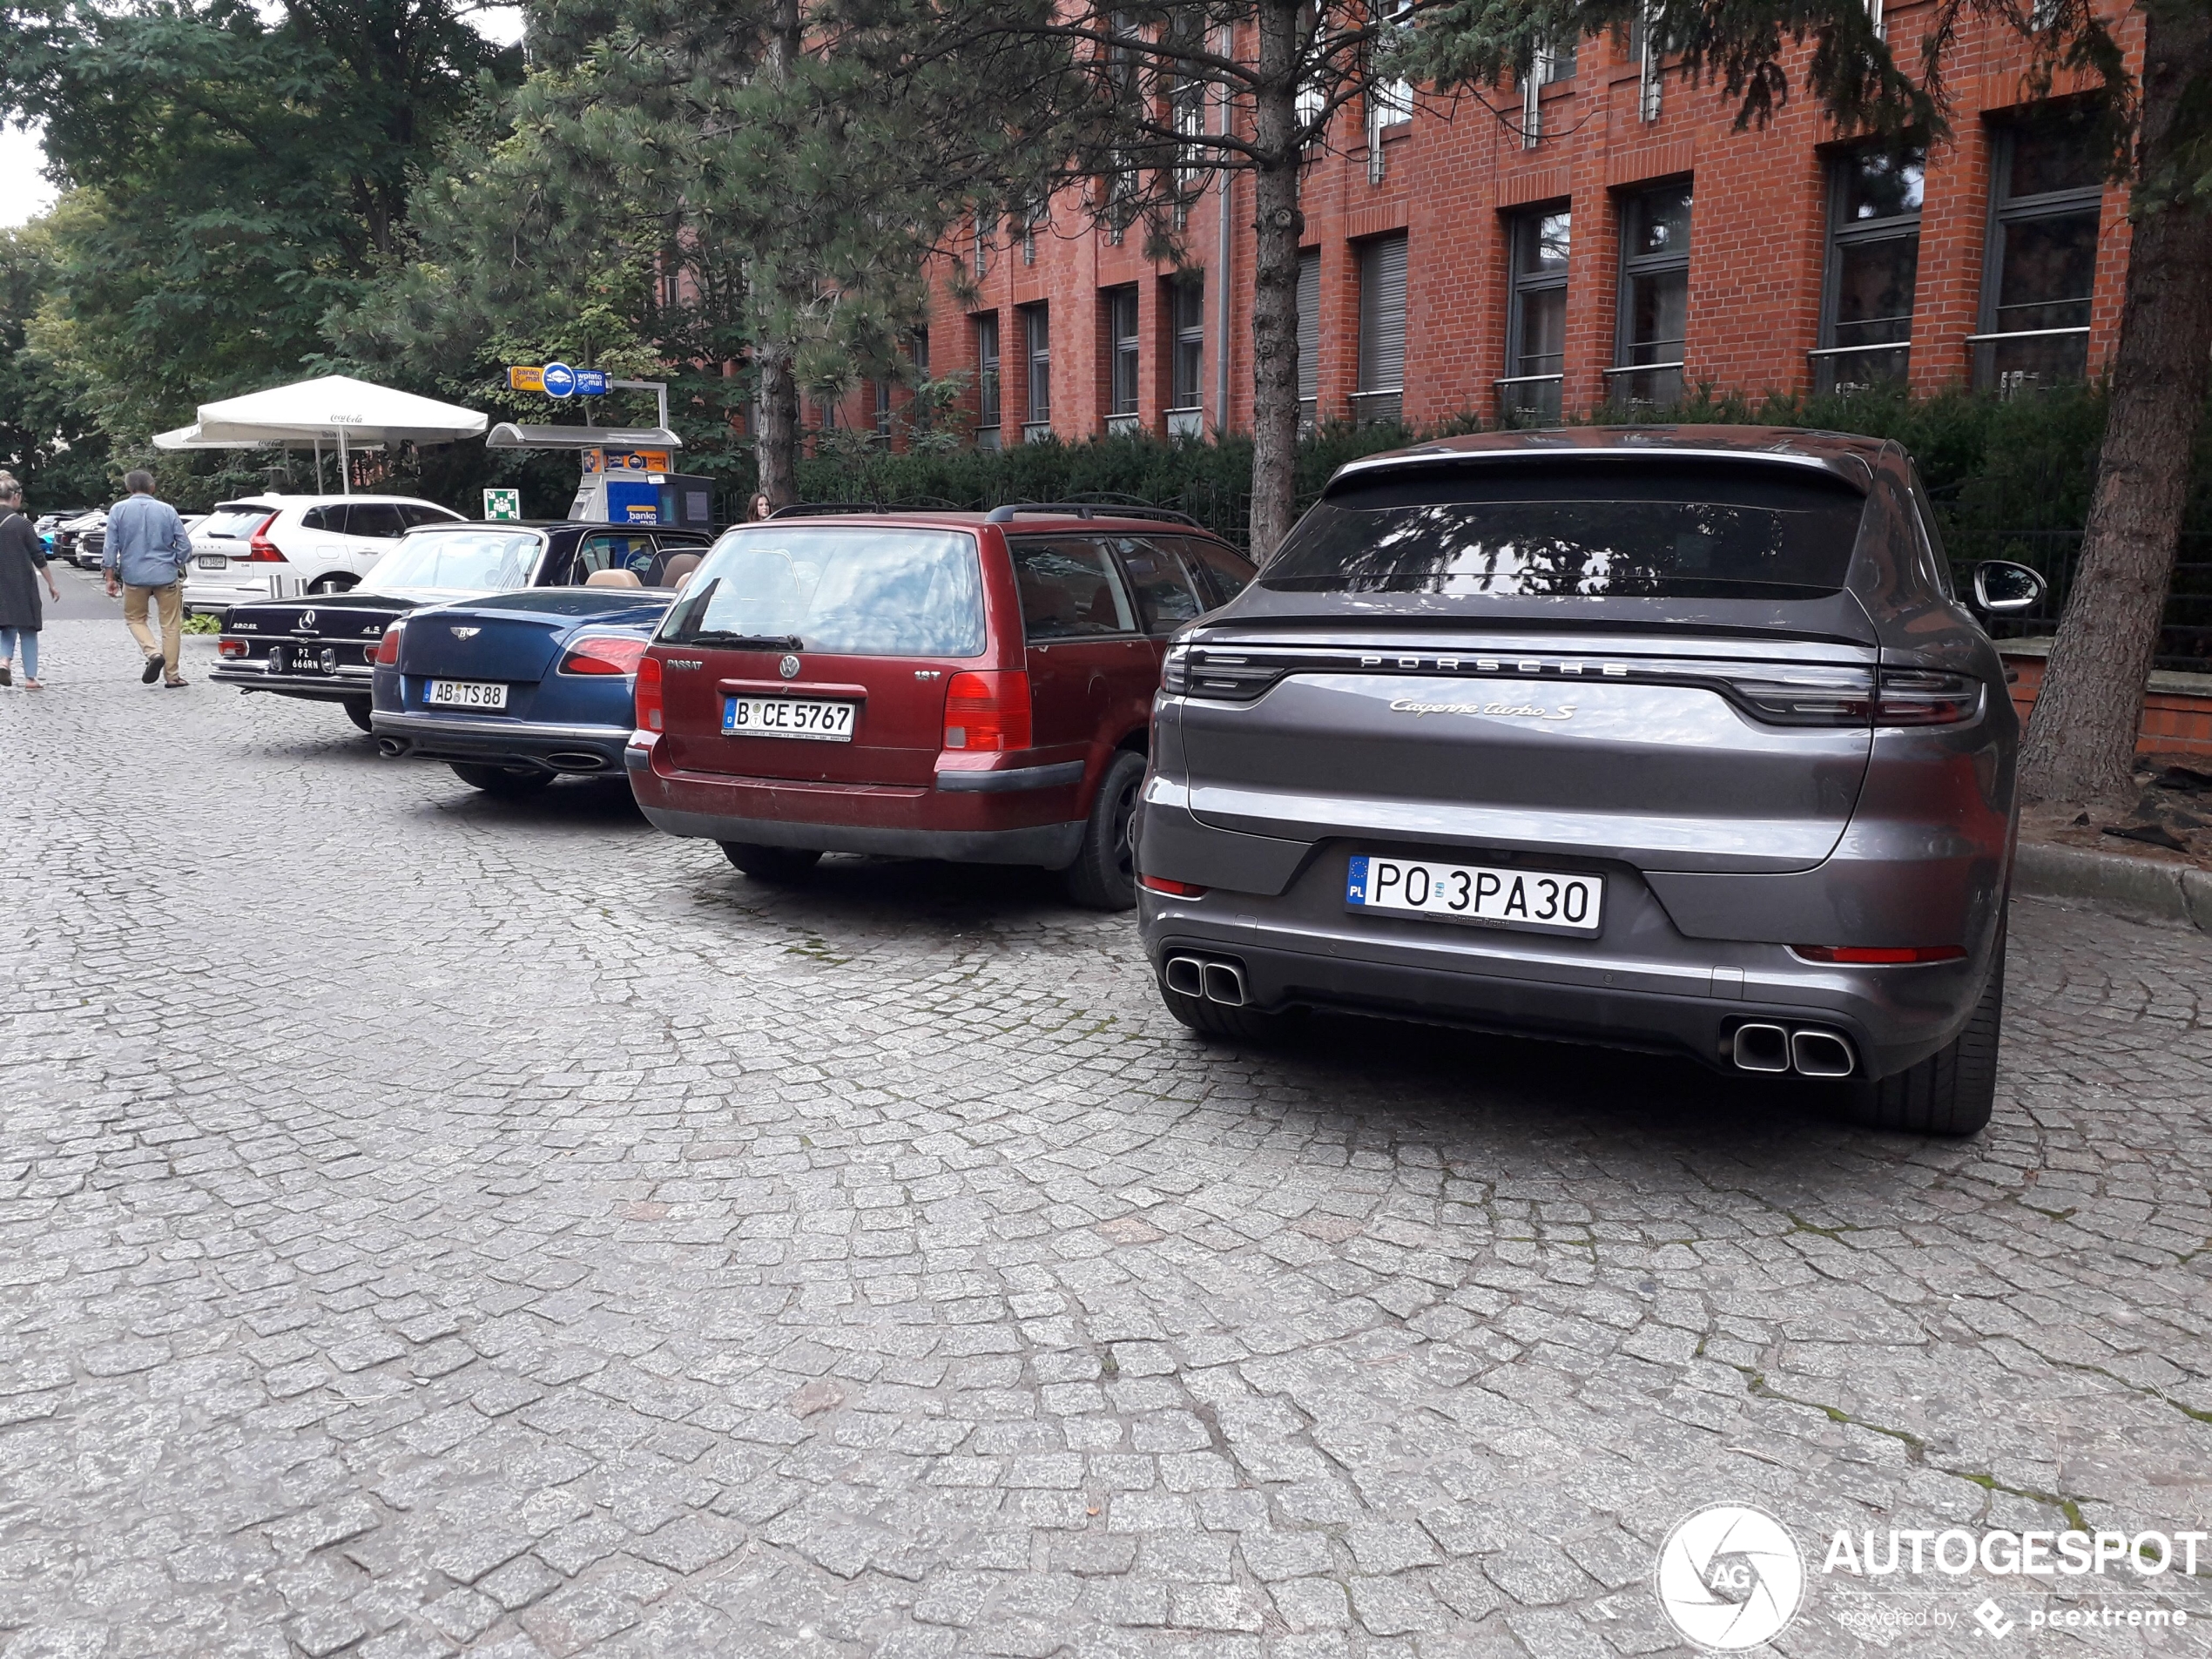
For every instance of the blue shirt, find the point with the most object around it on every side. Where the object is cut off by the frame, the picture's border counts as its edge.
(146, 543)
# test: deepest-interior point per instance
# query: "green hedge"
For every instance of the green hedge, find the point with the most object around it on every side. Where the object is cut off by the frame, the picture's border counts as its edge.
(2028, 462)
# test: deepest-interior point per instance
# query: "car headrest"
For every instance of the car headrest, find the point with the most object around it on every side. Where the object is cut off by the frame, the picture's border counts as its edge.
(679, 567)
(613, 579)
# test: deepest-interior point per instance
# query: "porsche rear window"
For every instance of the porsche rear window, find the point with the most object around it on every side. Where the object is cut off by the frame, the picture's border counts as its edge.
(1650, 529)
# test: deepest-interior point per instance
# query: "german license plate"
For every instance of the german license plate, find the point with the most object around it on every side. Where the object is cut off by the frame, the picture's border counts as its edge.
(1492, 896)
(788, 716)
(465, 694)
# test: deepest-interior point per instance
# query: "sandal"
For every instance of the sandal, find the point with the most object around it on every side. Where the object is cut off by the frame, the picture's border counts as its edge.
(34, 685)
(7, 674)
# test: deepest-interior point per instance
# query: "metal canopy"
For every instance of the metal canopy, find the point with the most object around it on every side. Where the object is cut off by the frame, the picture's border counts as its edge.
(510, 436)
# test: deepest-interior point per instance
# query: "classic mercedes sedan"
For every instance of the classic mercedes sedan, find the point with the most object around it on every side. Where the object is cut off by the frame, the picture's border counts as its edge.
(514, 692)
(322, 648)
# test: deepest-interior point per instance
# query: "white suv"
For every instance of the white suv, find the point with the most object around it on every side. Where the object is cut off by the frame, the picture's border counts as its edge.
(277, 547)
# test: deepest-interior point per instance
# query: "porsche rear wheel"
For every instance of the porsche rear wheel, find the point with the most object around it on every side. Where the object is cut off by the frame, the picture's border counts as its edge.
(508, 782)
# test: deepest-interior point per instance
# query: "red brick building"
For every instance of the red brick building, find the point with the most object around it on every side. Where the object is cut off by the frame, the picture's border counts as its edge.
(1459, 259)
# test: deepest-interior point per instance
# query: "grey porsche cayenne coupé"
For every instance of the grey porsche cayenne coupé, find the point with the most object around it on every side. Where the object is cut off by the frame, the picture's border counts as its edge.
(1675, 738)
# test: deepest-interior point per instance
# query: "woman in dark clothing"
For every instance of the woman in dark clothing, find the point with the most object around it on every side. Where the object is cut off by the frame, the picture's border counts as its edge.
(23, 561)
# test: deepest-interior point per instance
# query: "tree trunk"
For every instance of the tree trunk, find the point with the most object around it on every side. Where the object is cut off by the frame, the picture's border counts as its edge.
(2081, 741)
(775, 423)
(1278, 226)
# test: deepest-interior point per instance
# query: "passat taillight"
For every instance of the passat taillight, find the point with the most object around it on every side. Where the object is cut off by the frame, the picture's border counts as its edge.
(987, 710)
(387, 648)
(648, 694)
(602, 654)
(1881, 955)
(260, 549)
(232, 649)
(1921, 697)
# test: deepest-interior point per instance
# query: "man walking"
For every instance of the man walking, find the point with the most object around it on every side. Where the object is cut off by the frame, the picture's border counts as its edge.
(147, 551)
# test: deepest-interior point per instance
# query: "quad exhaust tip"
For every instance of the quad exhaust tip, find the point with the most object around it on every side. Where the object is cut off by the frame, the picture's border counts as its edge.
(1217, 982)
(1810, 1051)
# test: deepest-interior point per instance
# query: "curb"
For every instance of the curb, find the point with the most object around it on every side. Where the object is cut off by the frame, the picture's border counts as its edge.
(2128, 887)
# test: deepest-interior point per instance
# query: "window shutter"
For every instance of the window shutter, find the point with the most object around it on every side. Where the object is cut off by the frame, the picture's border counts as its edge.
(1309, 323)
(1382, 314)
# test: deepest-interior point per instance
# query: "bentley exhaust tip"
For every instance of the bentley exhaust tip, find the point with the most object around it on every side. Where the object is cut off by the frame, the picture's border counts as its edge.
(1224, 983)
(1185, 977)
(390, 748)
(1761, 1047)
(1821, 1054)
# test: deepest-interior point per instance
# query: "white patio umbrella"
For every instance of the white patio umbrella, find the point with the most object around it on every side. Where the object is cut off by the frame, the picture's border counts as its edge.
(336, 407)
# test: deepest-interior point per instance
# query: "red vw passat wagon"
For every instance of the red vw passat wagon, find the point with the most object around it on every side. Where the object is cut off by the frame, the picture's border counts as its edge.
(972, 686)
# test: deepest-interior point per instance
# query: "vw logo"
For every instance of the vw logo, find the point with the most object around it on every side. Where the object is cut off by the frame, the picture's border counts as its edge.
(466, 633)
(1730, 1577)
(788, 668)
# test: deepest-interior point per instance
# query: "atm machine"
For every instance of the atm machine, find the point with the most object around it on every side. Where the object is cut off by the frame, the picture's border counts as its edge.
(624, 477)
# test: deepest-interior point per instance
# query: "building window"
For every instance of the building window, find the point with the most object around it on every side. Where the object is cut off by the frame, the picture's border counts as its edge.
(1381, 395)
(1655, 296)
(1036, 351)
(986, 381)
(1547, 67)
(1873, 267)
(2042, 265)
(883, 410)
(1187, 367)
(1309, 337)
(1127, 362)
(1536, 325)
(917, 355)
(986, 228)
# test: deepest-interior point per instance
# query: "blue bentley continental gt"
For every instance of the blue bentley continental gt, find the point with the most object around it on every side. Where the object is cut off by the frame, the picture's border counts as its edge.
(514, 690)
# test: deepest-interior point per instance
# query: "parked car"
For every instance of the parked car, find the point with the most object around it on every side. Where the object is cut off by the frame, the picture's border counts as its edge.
(323, 649)
(68, 538)
(1672, 737)
(278, 547)
(514, 690)
(951, 685)
(47, 525)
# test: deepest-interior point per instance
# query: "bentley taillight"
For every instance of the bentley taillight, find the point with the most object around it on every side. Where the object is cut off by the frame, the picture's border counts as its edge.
(603, 654)
(387, 648)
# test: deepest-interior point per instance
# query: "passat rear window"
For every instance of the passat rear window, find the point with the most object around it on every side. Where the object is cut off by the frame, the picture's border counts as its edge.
(860, 592)
(1650, 529)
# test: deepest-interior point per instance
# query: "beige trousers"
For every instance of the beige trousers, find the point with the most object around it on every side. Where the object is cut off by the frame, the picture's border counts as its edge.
(169, 602)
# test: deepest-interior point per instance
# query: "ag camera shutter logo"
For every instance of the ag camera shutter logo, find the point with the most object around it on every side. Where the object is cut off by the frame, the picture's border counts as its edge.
(1729, 1577)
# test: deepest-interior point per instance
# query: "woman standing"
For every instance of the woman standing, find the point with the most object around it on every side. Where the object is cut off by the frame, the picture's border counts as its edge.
(23, 561)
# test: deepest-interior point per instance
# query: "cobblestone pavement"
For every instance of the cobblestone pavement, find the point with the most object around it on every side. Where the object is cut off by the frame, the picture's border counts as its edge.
(431, 1224)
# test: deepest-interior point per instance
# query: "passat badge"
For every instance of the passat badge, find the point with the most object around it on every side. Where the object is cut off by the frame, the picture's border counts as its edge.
(466, 633)
(788, 668)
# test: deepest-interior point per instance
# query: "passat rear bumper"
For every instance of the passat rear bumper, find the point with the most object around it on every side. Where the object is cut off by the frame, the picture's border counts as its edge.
(964, 826)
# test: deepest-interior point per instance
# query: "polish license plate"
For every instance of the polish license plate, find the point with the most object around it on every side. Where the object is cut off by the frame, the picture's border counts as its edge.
(296, 659)
(1492, 896)
(788, 716)
(465, 694)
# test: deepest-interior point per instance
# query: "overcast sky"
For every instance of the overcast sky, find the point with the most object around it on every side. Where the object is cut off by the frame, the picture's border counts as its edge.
(26, 193)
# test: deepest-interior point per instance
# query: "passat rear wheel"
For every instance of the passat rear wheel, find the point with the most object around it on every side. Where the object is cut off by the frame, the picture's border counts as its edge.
(507, 782)
(1104, 876)
(1953, 1090)
(770, 863)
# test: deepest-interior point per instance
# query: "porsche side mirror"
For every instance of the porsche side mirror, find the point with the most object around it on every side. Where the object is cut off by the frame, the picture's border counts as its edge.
(2001, 586)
